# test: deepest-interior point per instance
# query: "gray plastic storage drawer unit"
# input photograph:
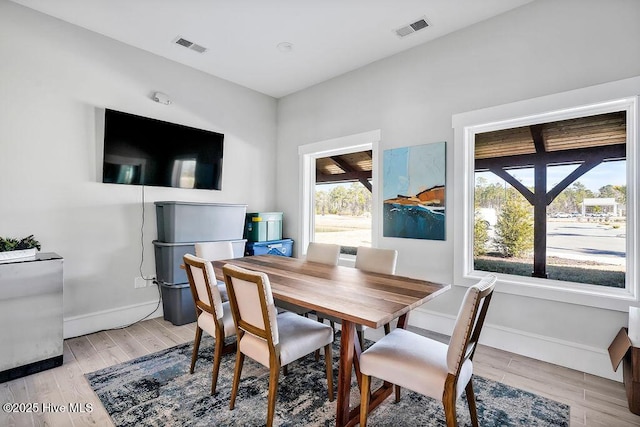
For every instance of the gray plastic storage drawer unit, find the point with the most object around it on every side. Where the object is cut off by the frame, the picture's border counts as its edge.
(169, 259)
(177, 304)
(199, 222)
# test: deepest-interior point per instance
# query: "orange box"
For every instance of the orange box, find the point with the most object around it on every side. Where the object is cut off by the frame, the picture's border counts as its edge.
(621, 350)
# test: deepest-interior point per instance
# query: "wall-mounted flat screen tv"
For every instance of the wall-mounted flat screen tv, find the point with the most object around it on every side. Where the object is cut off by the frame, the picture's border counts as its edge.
(143, 151)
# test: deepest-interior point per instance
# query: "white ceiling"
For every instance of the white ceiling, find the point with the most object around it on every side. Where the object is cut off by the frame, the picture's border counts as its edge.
(329, 37)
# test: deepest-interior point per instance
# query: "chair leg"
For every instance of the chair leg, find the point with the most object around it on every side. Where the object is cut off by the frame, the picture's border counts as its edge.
(471, 400)
(317, 353)
(361, 339)
(274, 373)
(328, 359)
(217, 357)
(285, 370)
(449, 402)
(397, 390)
(236, 378)
(365, 394)
(196, 346)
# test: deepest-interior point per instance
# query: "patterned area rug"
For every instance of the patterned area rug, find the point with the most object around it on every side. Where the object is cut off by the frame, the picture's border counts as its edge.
(157, 390)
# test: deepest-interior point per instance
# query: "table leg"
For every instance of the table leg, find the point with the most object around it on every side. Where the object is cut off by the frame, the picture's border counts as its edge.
(403, 321)
(347, 339)
(349, 357)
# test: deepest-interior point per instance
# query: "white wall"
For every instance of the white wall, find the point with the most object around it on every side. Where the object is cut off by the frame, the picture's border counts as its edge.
(52, 77)
(542, 48)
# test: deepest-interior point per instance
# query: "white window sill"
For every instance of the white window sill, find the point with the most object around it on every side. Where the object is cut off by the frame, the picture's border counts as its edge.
(574, 293)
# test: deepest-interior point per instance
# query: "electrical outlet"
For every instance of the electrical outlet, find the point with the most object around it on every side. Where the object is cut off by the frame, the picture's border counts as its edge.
(141, 282)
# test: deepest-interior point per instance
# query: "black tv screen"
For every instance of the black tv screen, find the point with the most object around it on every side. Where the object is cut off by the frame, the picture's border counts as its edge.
(143, 151)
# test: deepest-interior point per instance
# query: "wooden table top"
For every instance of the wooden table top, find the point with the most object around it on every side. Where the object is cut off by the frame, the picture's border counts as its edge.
(370, 299)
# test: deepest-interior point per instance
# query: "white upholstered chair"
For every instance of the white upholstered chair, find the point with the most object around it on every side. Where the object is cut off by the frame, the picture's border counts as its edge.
(214, 251)
(213, 315)
(374, 260)
(271, 339)
(430, 367)
(324, 253)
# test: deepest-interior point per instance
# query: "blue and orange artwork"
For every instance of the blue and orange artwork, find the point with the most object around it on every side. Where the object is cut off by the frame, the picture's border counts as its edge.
(414, 192)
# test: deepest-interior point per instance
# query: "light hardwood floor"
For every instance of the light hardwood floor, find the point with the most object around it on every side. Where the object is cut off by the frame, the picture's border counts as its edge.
(594, 401)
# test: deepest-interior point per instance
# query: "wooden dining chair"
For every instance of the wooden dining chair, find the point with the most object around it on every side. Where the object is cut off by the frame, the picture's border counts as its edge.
(374, 260)
(430, 367)
(214, 251)
(271, 339)
(213, 315)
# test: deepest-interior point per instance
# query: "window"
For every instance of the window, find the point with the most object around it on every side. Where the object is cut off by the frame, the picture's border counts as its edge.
(548, 198)
(183, 173)
(555, 193)
(343, 200)
(337, 179)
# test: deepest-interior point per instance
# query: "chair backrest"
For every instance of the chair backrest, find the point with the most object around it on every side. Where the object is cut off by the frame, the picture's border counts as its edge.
(251, 302)
(214, 251)
(466, 332)
(323, 253)
(376, 260)
(201, 276)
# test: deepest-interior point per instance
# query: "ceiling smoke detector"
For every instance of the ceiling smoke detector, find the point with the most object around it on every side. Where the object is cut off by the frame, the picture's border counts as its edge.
(190, 45)
(418, 25)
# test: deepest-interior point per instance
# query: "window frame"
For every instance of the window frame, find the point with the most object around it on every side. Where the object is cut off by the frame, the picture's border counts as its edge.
(583, 102)
(308, 154)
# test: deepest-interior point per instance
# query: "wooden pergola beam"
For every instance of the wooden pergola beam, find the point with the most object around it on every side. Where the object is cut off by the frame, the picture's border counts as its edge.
(570, 179)
(538, 138)
(363, 179)
(565, 157)
(526, 193)
(343, 177)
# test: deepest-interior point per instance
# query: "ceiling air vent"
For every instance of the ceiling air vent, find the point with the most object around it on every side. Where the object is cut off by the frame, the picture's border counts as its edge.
(412, 28)
(190, 45)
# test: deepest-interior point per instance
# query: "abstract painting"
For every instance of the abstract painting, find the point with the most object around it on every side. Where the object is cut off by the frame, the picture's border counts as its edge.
(414, 192)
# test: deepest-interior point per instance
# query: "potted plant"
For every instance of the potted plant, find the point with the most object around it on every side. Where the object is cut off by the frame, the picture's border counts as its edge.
(18, 248)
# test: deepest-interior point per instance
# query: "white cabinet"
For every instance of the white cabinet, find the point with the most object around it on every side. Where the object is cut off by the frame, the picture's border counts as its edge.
(30, 315)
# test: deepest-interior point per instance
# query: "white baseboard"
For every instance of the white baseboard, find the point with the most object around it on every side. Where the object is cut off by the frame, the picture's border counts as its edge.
(569, 354)
(76, 326)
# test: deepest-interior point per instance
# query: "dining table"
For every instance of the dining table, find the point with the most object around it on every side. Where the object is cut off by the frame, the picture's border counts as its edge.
(354, 296)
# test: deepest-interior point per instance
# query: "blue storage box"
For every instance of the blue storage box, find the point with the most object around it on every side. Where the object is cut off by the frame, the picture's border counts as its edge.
(272, 247)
